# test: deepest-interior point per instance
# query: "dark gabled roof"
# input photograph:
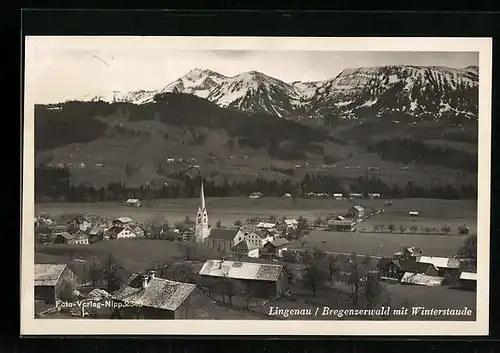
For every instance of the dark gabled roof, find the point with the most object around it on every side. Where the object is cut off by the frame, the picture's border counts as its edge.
(384, 262)
(222, 234)
(241, 246)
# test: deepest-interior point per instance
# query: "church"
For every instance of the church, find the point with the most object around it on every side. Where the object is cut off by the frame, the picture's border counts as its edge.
(201, 230)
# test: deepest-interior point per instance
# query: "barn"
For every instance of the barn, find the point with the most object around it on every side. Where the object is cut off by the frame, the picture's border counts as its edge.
(54, 282)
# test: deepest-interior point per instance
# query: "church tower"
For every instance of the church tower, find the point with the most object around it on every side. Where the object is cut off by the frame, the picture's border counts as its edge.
(201, 230)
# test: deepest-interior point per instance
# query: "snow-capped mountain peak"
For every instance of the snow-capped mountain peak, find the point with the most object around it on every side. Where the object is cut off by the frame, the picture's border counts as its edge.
(417, 90)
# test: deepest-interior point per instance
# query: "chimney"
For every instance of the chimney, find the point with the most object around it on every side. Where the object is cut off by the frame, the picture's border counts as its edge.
(145, 282)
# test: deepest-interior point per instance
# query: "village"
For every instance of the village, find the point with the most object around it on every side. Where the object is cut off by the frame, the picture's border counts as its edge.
(239, 271)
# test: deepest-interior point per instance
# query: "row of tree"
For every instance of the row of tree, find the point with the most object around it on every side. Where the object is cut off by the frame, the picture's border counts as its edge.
(53, 184)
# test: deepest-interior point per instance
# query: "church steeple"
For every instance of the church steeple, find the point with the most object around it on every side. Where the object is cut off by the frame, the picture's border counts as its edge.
(201, 228)
(202, 196)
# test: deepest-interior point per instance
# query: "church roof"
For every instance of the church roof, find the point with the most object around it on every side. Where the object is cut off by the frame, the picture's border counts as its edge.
(222, 234)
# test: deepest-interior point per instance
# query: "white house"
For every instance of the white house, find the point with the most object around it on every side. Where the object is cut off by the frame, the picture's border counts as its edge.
(133, 203)
(413, 213)
(266, 225)
(337, 196)
(123, 221)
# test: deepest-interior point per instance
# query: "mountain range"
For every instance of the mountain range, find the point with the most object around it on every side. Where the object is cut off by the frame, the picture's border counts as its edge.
(430, 92)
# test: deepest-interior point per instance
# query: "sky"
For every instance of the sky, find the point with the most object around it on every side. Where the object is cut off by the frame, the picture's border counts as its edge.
(59, 69)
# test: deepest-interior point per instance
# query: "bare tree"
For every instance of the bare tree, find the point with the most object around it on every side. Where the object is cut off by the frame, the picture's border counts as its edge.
(218, 225)
(402, 229)
(414, 229)
(391, 228)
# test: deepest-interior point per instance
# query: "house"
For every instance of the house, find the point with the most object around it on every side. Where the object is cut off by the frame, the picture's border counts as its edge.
(133, 203)
(413, 213)
(78, 238)
(291, 224)
(123, 221)
(54, 282)
(374, 195)
(240, 249)
(81, 223)
(446, 266)
(58, 229)
(356, 212)
(223, 239)
(119, 232)
(395, 269)
(95, 234)
(468, 280)
(341, 225)
(138, 231)
(256, 279)
(287, 196)
(151, 297)
(274, 248)
(421, 279)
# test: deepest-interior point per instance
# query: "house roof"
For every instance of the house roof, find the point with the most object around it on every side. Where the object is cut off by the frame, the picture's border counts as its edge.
(290, 222)
(410, 265)
(421, 279)
(48, 274)
(263, 234)
(66, 235)
(241, 270)
(124, 219)
(266, 225)
(358, 208)
(160, 293)
(132, 201)
(471, 276)
(222, 234)
(114, 230)
(339, 218)
(279, 242)
(440, 262)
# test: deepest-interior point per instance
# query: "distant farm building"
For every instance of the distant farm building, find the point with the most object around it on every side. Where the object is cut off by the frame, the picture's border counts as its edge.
(223, 239)
(78, 238)
(133, 203)
(286, 196)
(291, 223)
(356, 212)
(123, 221)
(374, 195)
(256, 195)
(158, 298)
(413, 213)
(468, 280)
(54, 282)
(267, 225)
(256, 279)
(393, 268)
(345, 225)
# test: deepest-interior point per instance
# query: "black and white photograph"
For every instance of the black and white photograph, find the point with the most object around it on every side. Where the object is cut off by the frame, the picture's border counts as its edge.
(317, 185)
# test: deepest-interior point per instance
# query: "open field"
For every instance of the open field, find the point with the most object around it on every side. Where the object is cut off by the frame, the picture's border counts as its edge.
(433, 212)
(379, 244)
(132, 254)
